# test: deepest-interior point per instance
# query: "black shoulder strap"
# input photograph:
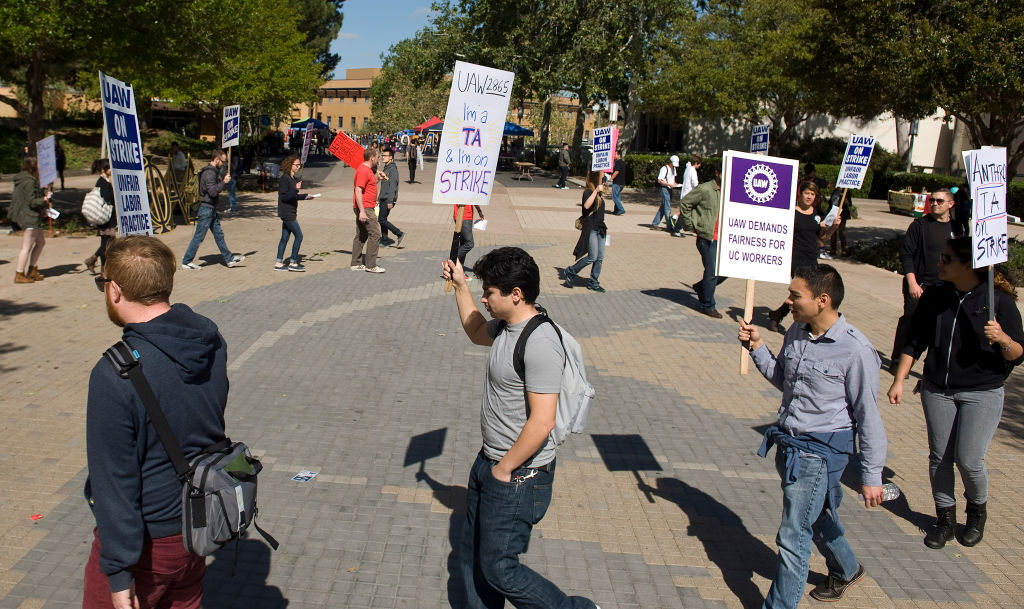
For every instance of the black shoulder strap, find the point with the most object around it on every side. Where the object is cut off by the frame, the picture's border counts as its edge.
(126, 361)
(518, 360)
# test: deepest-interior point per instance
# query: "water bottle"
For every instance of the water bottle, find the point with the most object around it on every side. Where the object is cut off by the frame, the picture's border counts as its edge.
(889, 492)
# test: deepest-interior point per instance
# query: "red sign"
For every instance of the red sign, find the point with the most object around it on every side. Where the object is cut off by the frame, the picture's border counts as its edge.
(347, 149)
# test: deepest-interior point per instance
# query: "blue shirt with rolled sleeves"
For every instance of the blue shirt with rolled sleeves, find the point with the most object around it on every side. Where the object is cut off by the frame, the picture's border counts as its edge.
(829, 383)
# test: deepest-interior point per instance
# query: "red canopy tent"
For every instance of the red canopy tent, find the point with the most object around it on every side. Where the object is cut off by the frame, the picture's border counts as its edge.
(430, 123)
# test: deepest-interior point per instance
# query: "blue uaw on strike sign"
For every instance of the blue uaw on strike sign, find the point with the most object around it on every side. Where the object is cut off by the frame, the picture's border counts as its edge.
(229, 126)
(122, 129)
(856, 161)
(755, 231)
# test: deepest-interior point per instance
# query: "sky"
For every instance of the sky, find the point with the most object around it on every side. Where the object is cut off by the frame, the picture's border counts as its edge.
(370, 27)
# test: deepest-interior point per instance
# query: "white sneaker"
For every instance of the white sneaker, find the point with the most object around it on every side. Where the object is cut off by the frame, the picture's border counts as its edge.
(376, 269)
(235, 261)
(358, 267)
(191, 266)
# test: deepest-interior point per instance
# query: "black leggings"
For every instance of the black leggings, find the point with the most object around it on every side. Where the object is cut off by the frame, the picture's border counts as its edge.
(102, 250)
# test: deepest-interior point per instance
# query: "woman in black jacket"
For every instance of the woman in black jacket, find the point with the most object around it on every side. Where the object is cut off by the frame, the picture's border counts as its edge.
(592, 235)
(288, 198)
(108, 230)
(968, 359)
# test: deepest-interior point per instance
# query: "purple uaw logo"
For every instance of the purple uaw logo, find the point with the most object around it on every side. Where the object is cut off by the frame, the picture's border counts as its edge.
(760, 182)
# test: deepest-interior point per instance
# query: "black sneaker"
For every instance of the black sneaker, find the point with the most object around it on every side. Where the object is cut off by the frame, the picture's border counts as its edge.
(834, 588)
(596, 288)
(400, 239)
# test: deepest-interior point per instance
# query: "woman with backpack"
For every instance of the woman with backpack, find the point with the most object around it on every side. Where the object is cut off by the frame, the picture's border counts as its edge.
(288, 198)
(969, 358)
(107, 230)
(28, 204)
(592, 234)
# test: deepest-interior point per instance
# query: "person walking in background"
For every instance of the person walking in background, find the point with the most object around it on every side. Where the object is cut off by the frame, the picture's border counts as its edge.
(466, 229)
(235, 167)
(925, 239)
(618, 183)
(364, 202)
(108, 230)
(28, 204)
(698, 212)
(590, 246)
(61, 159)
(179, 163)
(288, 197)
(808, 236)
(828, 374)
(563, 166)
(412, 155)
(387, 198)
(969, 358)
(689, 182)
(839, 234)
(207, 218)
(666, 182)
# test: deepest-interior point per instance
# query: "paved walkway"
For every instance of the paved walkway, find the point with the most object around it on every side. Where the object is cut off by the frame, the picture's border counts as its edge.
(369, 380)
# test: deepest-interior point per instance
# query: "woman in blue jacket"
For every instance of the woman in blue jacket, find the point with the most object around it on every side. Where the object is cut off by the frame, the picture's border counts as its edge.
(968, 359)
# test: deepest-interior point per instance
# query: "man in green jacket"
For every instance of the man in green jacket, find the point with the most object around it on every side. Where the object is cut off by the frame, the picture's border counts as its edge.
(698, 212)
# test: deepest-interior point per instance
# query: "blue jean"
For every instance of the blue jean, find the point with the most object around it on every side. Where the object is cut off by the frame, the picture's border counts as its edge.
(960, 427)
(665, 209)
(617, 198)
(232, 188)
(499, 519)
(289, 228)
(564, 173)
(207, 220)
(595, 255)
(805, 519)
(708, 253)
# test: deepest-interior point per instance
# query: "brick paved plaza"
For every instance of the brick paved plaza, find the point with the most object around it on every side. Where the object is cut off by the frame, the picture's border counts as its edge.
(370, 381)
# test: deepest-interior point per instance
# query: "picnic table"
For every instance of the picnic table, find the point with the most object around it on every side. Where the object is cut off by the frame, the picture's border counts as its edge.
(524, 170)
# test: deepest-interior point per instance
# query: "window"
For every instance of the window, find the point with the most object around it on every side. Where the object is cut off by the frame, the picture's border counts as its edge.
(366, 100)
(354, 99)
(319, 116)
(353, 122)
(328, 122)
(364, 122)
(341, 100)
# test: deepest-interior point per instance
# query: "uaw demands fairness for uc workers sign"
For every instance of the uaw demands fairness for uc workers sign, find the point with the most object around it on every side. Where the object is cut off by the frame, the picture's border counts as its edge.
(471, 140)
(755, 233)
(122, 128)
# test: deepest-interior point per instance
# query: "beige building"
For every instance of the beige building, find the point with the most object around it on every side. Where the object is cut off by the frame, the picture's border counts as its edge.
(343, 104)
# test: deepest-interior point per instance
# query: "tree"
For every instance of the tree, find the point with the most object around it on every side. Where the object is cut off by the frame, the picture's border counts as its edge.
(740, 59)
(320, 21)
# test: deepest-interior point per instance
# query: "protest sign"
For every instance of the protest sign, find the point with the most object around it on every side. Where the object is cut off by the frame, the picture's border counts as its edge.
(230, 126)
(131, 199)
(605, 139)
(471, 138)
(305, 144)
(347, 149)
(46, 155)
(759, 139)
(986, 174)
(855, 161)
(755, 237)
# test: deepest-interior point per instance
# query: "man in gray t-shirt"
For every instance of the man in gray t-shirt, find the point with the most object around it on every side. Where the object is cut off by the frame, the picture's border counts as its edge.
(510, 483)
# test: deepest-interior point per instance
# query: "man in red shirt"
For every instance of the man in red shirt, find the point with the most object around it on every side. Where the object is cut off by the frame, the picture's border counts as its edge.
(364, 202)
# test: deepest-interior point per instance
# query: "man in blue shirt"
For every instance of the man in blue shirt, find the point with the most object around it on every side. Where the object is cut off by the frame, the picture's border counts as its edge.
(828, 375)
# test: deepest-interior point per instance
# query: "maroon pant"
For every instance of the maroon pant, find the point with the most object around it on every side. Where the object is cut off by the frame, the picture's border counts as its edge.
(166, 576)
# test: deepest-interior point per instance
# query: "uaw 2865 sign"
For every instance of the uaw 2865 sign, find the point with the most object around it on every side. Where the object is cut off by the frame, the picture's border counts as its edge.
(755, 237)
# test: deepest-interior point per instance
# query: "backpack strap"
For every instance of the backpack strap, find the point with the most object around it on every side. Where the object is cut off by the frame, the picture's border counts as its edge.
(518, 354)
(126, 362)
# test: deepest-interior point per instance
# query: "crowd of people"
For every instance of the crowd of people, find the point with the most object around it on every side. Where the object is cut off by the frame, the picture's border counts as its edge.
(826, 369)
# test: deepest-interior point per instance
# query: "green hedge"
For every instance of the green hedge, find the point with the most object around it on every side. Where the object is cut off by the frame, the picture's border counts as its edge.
(642, 169)
(885, 254)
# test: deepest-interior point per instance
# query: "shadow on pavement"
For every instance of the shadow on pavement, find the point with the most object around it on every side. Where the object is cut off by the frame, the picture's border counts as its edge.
(60, 269)
(452, 497)
(9, 308)
(727, 542)
(685, 298)
(237, 577)
(1013, 415)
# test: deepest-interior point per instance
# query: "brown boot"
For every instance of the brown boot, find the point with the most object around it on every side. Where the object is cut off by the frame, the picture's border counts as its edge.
(90, 263)
(33, 274)
(20, 277)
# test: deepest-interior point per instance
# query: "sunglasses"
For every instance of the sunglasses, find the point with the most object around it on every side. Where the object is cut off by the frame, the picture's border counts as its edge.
(934, 200)
(101, 282)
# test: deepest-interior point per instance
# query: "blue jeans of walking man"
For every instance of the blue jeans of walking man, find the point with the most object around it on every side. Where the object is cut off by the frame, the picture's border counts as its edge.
(805, 519)
(617, 198)
(499, 519)
(708, 252)
(665, 209)
(207, 220)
